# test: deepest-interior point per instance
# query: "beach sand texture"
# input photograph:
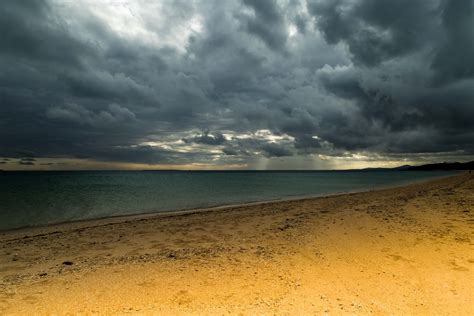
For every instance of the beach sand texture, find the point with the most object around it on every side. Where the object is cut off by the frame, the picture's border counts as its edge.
(407, 250)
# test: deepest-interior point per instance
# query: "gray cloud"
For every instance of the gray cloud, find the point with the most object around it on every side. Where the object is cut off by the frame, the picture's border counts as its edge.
(80, 115)
(274, 150)
(453, 58)
(27, 161)
(320, 77)
(208, 139)
(267, 23)
(376, 30)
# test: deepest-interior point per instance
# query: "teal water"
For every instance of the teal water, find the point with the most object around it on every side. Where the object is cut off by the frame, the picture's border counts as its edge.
(41, 198)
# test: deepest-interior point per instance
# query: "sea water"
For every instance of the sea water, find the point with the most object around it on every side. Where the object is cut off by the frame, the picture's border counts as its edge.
(41, 198)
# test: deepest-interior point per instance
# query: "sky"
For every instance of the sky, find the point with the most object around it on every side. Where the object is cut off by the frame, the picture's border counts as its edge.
(244, 84)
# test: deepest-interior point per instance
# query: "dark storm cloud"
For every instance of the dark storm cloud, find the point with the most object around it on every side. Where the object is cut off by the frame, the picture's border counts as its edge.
(230, 152)
(267, 23)
(77, 114)
(421, 99)
(274, 150)
(453, 59)
(32, 32)
(376, 30)
(208, 139)
(27, 161)
(318, 77)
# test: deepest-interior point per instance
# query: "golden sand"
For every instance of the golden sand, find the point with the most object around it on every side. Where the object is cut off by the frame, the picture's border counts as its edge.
(406, 250)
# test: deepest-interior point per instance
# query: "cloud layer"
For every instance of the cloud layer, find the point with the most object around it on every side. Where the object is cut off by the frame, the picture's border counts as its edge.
(236, 83)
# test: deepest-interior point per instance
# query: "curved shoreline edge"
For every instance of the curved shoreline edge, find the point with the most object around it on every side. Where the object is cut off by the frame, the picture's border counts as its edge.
(62, 227)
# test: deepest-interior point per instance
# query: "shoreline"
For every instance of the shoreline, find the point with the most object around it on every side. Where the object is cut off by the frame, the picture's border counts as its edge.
(337, 254)
(32, 231)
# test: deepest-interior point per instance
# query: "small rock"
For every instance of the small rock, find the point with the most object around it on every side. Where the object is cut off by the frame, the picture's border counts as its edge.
(67, 263)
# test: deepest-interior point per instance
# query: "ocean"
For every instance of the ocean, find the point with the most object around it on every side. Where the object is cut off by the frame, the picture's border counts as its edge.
(40, 198)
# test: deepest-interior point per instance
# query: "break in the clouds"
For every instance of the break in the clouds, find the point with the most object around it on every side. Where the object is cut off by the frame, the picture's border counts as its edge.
(248, 84)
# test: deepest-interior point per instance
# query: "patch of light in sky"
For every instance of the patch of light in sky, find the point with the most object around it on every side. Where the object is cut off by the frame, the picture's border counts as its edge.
(130, 19)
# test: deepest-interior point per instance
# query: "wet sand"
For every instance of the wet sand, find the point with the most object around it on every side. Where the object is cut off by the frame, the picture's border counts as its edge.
(407, 250)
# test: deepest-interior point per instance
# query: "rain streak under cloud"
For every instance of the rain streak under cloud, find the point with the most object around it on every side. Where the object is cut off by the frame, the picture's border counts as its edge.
(252, 84)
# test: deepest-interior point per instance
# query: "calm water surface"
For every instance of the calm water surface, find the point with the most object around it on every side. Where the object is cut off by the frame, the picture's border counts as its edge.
(40, 198)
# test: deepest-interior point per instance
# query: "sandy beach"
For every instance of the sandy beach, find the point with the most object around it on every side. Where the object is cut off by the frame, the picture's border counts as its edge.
(405, 250)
